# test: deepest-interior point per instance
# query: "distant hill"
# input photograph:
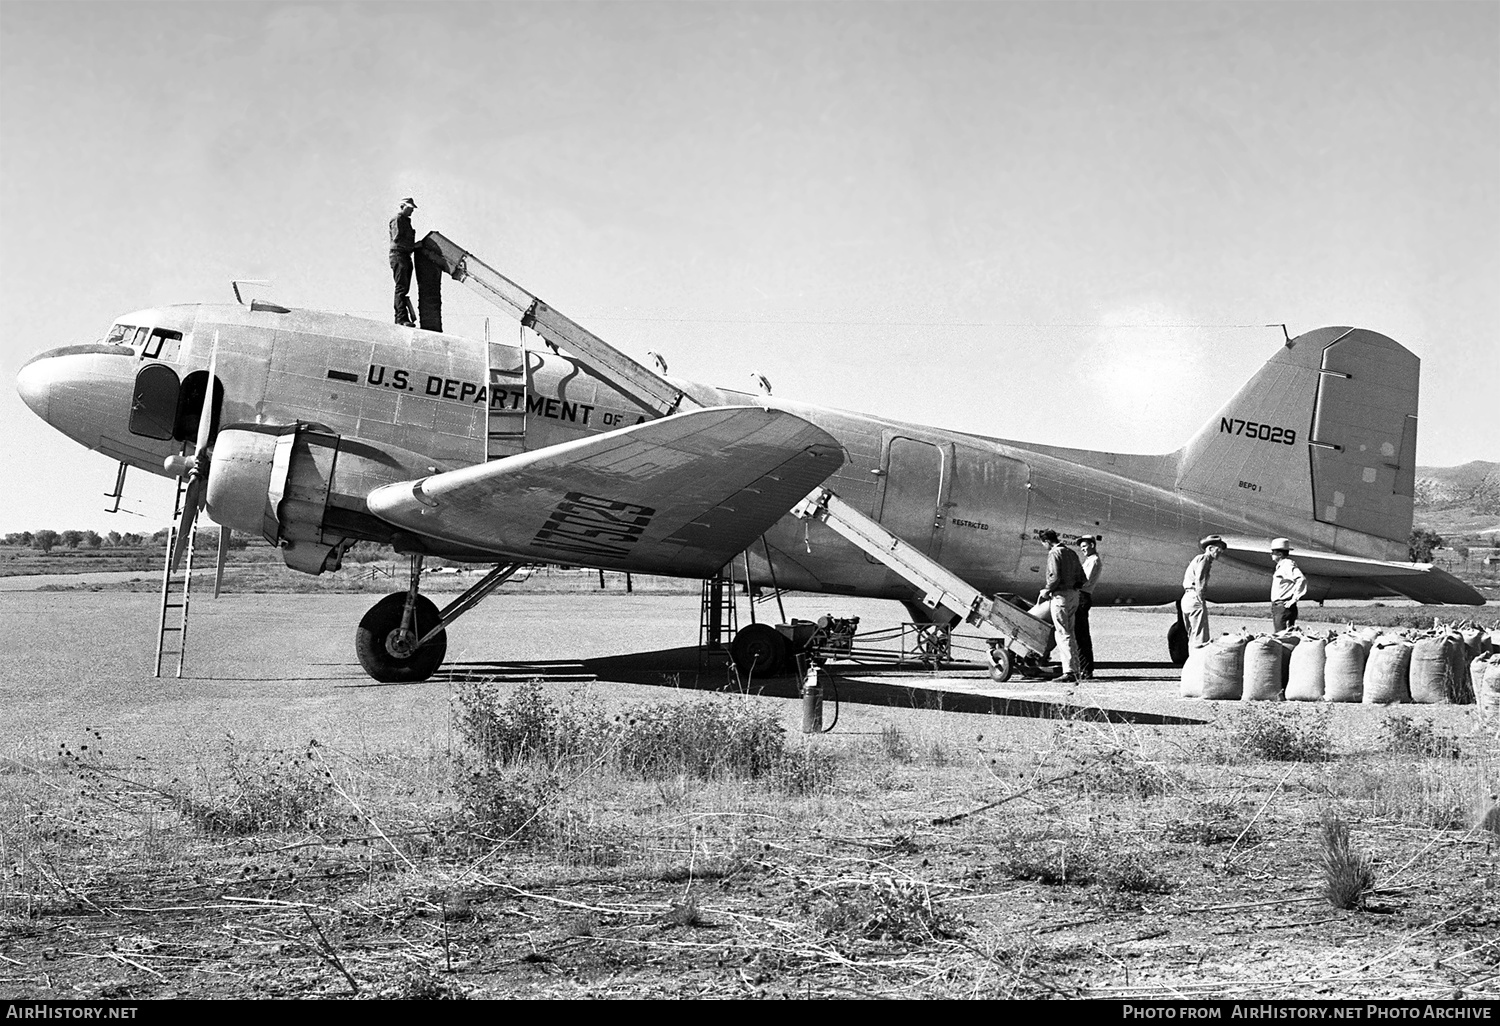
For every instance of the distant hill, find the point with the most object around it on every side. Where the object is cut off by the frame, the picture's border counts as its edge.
(1463, 500)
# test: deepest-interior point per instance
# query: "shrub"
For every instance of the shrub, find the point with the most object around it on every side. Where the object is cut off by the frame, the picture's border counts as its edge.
(714, 738)
(498, 733)
(1290, 735)
(267, 790)
(1404, 736)
(1054, 867)
(501, 805)
(1213, 822)
(804, 771)
(889, 909)
(895, 745)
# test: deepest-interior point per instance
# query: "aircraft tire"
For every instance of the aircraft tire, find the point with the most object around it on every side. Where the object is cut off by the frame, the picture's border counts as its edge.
(1177, 643)
(1001, 664)
(759, 650)
(377, 624)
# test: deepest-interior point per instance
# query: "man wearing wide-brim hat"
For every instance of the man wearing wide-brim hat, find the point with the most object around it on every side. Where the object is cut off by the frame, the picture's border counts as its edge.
(1287, 586)
(403, 243)
(1194, 583)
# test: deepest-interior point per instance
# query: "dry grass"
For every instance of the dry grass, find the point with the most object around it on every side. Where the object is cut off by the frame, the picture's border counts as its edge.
(558, 852)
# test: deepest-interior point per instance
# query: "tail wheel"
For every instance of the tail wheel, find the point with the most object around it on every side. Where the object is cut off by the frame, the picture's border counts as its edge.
(1177, 639)
(385, 654)
(759, 650)
(1002, 664)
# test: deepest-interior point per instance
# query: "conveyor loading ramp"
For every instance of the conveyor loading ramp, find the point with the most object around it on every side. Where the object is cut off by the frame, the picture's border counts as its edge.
(652, 392)
(938, 585)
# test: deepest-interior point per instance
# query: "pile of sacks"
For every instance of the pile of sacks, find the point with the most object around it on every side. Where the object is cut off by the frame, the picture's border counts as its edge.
(1455, 664)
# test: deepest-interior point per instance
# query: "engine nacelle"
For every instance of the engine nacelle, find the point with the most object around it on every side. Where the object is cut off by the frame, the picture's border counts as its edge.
(276, 482)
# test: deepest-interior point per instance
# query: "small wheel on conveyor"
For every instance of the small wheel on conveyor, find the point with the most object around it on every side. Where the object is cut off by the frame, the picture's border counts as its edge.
(1002, 663)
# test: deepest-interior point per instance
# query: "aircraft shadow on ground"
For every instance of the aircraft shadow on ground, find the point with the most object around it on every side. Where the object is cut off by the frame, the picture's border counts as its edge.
(683, 669)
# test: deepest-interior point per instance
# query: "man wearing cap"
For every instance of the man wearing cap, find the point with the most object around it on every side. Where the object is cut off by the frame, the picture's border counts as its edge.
(1194, 582)
(1093, 566)
(1287, 586)
(1064, 578)
(403, 242)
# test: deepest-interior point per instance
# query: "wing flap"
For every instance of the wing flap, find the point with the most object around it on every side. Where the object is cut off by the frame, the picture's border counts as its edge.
(680, 495)
(1421, 582)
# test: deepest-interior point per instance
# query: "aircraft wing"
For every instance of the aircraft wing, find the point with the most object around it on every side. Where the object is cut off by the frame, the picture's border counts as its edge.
(683, 495)
(1421, 582)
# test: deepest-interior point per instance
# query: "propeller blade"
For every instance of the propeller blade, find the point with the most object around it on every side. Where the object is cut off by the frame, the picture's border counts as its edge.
(223, 555)
(206, 417)
(190, 505)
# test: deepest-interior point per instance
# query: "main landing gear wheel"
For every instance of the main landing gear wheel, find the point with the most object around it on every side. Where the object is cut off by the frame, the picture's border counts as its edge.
(759, 650)
(1177, 639)
(384, 650)
(1002, 664)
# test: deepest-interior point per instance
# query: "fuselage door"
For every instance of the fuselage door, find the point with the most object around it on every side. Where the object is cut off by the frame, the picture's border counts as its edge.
(914, 486)
(153, 407)
(507, 417)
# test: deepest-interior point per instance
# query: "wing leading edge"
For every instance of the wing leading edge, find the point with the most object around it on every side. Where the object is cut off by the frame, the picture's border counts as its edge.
(681, 495)
(1420, 582)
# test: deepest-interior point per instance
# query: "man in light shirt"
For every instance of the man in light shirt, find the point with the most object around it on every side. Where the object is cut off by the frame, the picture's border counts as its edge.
(1194, 583)
(1093, 566)
(1287, 586)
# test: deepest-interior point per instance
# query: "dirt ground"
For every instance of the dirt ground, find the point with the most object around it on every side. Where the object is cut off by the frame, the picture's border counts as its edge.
(934, 853)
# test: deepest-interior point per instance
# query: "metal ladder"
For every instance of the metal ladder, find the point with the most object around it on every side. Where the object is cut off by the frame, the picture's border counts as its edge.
(177, 585)
(718, 619)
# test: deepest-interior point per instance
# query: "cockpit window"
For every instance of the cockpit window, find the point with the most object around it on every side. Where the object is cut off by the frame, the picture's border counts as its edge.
(120, 335)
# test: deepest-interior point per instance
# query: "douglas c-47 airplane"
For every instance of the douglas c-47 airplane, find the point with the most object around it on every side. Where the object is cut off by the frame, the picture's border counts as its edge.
(323, 430)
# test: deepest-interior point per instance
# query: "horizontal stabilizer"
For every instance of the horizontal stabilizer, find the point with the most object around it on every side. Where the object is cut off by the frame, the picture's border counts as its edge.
(687, 492)
(1421, 582)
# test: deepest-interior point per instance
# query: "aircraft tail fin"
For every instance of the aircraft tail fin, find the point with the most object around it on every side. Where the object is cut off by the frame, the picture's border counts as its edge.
(1326, 431)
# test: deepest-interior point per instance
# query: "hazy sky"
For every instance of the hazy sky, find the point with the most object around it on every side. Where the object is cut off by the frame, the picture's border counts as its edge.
(1059, 222)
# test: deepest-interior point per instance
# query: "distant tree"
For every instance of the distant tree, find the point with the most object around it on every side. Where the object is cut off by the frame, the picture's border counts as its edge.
(131, 538)
(1421, 543)
(71, 538)
(44, 540)
(91, 540)
(113, 539)
(161, 536)
(21, 538)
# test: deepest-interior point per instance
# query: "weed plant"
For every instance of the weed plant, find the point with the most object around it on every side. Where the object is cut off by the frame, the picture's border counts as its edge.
(1405, 736)
(265, 790)
(1347, 875)
(1284, 735)
(887, 910)
(895, 745)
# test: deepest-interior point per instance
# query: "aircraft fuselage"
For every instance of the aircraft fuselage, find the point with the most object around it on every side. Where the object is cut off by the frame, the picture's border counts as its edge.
(381, 404)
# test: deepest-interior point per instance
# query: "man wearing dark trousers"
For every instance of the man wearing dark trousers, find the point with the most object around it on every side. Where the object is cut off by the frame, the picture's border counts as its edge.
(403, 242)
(1093, 566)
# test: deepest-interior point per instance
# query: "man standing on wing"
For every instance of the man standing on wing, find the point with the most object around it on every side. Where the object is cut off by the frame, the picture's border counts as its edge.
(1064, 578)
(1287, 586)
